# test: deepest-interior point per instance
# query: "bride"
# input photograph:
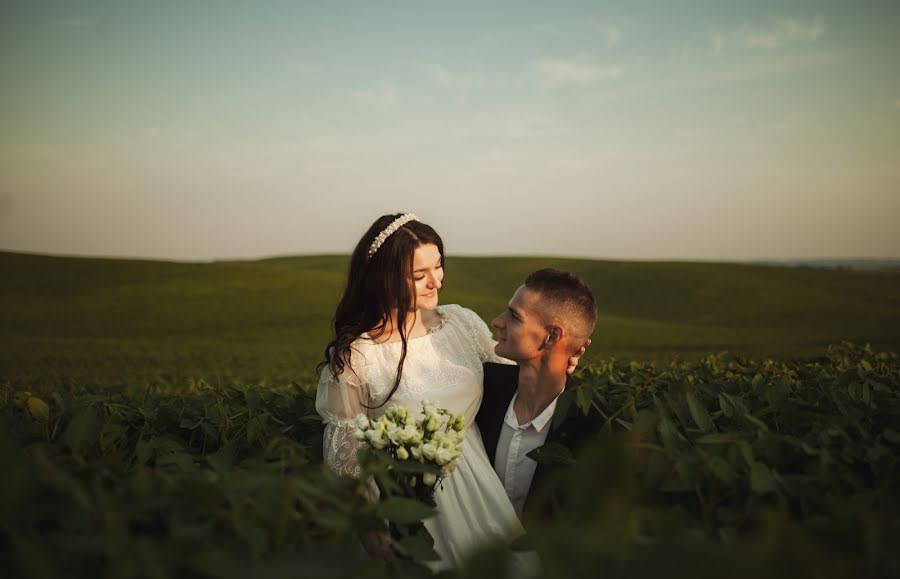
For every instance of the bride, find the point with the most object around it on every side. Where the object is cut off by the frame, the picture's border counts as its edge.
(394, 343)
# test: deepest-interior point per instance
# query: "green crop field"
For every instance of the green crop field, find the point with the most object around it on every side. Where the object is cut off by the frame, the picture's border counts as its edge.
(114, 320)
(157, 420)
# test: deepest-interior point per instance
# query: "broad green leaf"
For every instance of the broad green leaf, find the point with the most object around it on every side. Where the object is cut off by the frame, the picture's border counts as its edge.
(718, 438)
(757, 382)
(583, 399)
(38, 408)
(81, 434)
(726, 406)
(419, 547)
(747, 452)
(757, 422)
(222, 460)
(761, 480)
(891, 435)
(698, 413)
(552, 453)
(563, 403)
(403, 510)
(777, 391)
(668, 434)
(720, 468)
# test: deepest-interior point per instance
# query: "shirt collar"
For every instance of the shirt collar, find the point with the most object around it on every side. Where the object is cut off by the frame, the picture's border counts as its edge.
(539, 422)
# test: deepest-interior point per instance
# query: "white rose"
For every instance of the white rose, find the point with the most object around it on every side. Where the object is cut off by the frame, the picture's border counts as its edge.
(376, 438)
(429, 449)
(429, 479)
(402, 453)
(443, 456)
(450, 439)
(416, 452)
(408, 435)
(362, 422)
(395, 433)
(361, 435)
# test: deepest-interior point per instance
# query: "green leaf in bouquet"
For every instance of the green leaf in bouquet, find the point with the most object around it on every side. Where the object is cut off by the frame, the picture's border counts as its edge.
(419, 546)
(403, 510)
(332, 519)
(414, 467)
(552, 453)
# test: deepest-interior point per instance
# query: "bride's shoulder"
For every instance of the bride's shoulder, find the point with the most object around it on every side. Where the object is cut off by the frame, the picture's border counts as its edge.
(459, 315)
(451, 311)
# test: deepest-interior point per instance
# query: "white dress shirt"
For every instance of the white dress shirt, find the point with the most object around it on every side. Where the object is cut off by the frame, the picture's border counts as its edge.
(516, 440)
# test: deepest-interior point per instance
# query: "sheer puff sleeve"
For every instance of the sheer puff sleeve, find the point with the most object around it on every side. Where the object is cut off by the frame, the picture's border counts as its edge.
(338, 401)
(480, 334)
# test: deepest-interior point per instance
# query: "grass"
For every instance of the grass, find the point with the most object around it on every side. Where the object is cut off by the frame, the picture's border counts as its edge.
(112, 320)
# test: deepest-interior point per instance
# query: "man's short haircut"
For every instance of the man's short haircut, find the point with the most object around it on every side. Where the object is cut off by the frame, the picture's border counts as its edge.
(569, 298)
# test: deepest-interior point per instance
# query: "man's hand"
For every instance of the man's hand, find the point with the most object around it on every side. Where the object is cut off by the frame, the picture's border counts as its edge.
(573, 361)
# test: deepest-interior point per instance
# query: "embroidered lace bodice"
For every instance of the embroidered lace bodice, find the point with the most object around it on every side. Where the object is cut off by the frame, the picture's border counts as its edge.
(444, 365)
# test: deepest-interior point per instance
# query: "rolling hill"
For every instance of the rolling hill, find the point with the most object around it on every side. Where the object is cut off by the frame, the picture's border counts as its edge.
(68, 319)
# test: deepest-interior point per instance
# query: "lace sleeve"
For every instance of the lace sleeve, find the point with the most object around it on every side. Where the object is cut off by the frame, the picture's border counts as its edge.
(481, 336)
(338, 402)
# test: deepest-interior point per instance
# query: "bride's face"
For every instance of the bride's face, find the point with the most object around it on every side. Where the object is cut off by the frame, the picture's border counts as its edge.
(428, 273)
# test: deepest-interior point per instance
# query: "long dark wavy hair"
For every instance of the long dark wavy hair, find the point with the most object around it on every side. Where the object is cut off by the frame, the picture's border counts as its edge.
(375, 287)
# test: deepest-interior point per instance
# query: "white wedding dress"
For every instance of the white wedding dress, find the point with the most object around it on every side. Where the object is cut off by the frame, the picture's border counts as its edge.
(444, 366)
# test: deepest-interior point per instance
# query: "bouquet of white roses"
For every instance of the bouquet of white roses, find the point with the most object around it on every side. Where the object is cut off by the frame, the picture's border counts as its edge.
(421, 451)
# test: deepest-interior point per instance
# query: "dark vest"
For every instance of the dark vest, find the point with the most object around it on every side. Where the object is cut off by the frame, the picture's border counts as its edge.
(500, 384)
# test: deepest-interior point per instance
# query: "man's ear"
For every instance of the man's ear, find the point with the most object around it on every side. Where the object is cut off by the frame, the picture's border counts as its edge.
(554, 336)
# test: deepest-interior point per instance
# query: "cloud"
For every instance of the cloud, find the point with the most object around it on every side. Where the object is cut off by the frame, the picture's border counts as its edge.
(780, 32)
(383, 96)
(75, 23)
(785, 31)
(718, 43)
(442, 77)
(150, 133)
(613, 35)
(553, 72)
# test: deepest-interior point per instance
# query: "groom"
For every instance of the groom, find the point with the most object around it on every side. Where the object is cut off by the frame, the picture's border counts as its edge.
(547, 321)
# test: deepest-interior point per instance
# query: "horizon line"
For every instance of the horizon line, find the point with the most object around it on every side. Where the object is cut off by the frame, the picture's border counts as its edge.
(739, 261)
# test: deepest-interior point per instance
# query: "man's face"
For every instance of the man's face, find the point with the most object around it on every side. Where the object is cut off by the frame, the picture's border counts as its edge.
(521, 329)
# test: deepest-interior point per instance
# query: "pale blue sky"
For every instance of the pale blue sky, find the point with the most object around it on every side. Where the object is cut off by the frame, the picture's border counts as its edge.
(686, 130)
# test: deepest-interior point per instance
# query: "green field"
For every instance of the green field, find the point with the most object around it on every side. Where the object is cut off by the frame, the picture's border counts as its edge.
(717, 466)
(116, 320)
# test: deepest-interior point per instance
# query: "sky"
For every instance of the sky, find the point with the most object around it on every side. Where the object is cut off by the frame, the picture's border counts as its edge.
(704, 130)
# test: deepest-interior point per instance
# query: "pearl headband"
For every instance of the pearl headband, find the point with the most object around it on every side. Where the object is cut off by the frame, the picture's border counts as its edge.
(389, 230)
